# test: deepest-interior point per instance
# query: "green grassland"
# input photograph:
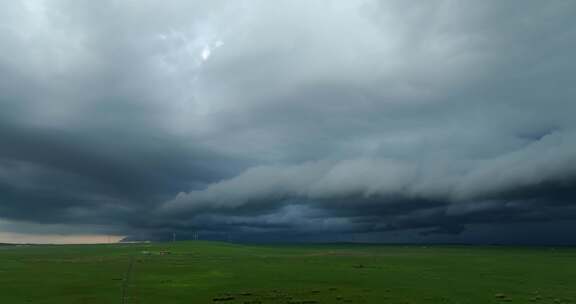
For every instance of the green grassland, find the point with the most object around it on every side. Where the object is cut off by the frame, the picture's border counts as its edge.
(209, 272)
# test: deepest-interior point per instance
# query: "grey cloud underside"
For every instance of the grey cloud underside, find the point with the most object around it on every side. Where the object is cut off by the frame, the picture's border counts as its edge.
(288, 118)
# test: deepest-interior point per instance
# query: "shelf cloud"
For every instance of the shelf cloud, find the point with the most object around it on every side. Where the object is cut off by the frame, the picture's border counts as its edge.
(383, 120)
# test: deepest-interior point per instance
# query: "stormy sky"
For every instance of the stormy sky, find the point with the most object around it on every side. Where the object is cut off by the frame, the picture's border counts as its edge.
(301, 120)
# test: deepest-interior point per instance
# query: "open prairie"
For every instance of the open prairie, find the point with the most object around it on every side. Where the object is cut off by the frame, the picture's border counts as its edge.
(209, 272)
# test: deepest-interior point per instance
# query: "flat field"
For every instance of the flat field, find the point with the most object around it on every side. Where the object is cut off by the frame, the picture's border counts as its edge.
(208, 272)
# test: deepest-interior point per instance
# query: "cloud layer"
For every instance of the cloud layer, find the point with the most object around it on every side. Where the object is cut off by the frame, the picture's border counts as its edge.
(288, 118)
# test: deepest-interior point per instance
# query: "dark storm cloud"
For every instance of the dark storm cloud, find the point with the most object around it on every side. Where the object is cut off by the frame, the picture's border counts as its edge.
(293, 117)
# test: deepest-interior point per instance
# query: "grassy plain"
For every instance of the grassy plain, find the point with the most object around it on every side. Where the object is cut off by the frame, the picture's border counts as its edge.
(208, 272)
